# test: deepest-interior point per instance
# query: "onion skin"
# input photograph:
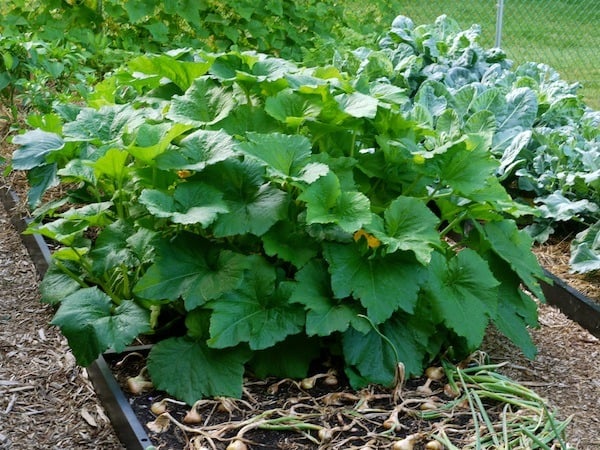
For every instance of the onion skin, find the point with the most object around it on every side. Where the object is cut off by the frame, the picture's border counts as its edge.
(435, 373)
(434, 445)
(192, 416)
(325, 435)
(137, 385)
(331, 380)
(390, 424)
(451, 392)
(237, 445)
(404, 444)
(428, 406)
(158, 408)
(407, 443)
(307, 383)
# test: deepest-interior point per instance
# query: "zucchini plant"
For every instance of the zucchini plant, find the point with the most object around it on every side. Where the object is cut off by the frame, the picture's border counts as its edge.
(251, 214)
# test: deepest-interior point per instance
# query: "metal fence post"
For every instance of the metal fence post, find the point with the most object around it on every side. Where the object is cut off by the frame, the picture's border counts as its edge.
(499, 15)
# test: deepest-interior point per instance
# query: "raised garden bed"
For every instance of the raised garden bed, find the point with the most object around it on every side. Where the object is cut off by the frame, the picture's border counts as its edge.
(131, 429)
(127, 425)
(573, 303)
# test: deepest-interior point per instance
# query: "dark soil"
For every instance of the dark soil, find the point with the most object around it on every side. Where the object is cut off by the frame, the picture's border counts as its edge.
(354, 419)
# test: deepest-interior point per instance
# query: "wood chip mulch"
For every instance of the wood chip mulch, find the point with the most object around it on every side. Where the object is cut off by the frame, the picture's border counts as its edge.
(554, 256)
(46, 401)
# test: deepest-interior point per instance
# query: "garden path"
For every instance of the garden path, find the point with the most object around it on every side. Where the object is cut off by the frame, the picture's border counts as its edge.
(46, 401)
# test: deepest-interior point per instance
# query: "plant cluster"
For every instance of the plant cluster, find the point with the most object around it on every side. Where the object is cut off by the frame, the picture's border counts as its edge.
(54, 50)
(288, 29)
(34, 74)
(554, 163)
(549, 150)
(253, 214)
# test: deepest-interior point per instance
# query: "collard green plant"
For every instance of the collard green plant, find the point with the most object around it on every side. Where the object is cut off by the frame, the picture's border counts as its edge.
(251, 213)
(555, 163)
(547, 140)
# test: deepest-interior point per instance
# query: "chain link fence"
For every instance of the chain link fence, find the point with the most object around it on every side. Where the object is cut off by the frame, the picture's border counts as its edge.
(565, 34)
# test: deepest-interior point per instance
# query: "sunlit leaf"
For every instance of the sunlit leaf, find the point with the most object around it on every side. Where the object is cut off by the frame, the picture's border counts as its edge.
(358, 105)
(290, 108)
(153, 139)
(193, 202)
(112, 164)
(285, 155)
(182, 73)
(106, 125)
(204, 103)
(198, 150)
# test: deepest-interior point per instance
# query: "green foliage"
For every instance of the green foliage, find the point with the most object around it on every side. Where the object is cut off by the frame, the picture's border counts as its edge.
(251, 206)
(293, 30)
(554, 162)
(545, 136)
(34, 73)
(92, 324)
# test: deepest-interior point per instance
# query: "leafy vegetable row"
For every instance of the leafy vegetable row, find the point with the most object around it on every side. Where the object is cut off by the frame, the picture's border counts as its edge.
(252, 214)
(549, 149)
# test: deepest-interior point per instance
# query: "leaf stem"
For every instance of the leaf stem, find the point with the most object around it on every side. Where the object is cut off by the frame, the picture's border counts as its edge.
(353, 144)
(125, 276)
(459, 218)
(70, 273)
(382, 336)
